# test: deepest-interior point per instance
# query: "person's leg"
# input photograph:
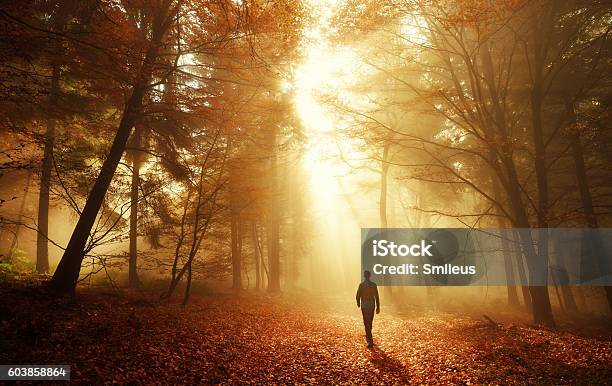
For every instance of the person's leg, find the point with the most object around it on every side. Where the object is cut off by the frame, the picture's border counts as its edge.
(370, 319)
(368, 316)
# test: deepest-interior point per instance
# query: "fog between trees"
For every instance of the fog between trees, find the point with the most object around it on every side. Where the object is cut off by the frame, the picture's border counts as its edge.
(245, 143)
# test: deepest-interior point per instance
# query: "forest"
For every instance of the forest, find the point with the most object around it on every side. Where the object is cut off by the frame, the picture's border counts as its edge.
(184, 184)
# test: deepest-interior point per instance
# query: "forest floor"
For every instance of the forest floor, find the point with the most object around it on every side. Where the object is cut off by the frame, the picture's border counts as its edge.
(257, 339)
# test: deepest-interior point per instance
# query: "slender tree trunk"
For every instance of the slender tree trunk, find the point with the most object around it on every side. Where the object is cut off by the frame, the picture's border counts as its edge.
(541, 177)
(292, 265)
(539, 294)
(181, 237)
(513, 300)
(540, 299)
(505, 244)
(297, 214)
(236, 250)
(15, 241)
(273, 226)
(42, 237)
(274, 253)
(568, 299)
(255, 243)
(65, 278)
(383, 187)
(384, 183)
(247, 276)
(134, 282)
(518, 255)
(264, 274)
(559, 299)
(188, 286)
(540, 163)
(199, 229)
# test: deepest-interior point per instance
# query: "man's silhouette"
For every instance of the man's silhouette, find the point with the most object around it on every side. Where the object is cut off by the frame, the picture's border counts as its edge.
(367, 299)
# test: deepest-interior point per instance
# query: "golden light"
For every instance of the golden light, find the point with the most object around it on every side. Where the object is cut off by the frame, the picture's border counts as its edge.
(326, 72)
(326, 69)
(413, 28)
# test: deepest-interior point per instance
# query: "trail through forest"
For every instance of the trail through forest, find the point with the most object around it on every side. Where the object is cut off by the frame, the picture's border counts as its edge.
(254, 339)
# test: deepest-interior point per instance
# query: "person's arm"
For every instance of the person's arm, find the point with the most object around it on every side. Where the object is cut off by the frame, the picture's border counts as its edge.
(377, 300)
(358, 296)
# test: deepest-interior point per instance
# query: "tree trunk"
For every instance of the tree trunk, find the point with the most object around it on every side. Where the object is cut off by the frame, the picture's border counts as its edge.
(513, 300)
(521, 271)
(273, 251)
(506, 248)
(541, 182)
(236, 250)
(542, 311)
(539, 294)
(265, 276)
(255, 242)
(540, 299)
(15, 241)
(383, 187)
(384, 183)
(67, 272)
(134, 282)
(568, 299)
(273, 226)
(42, 237)
(65, 278)
(188, 286)
(559, 299)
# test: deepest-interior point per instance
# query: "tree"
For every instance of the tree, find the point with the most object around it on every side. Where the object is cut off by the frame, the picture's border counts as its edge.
(67, 273)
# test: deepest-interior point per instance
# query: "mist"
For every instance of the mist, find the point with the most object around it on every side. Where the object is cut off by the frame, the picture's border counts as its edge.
(212, 167)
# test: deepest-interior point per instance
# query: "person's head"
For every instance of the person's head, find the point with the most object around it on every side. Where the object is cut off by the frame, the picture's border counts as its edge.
(366, 274)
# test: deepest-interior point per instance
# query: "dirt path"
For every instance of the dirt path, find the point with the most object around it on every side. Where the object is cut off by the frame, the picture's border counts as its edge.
(257, 339)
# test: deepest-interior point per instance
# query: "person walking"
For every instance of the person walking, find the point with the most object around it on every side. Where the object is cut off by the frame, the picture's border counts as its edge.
(368, 300)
